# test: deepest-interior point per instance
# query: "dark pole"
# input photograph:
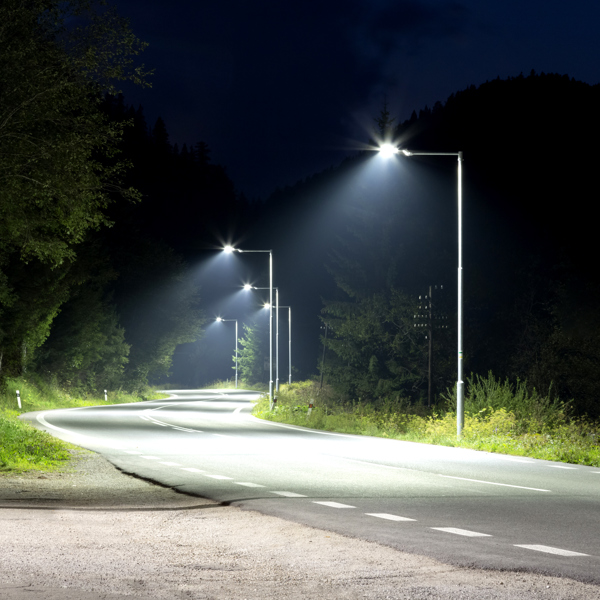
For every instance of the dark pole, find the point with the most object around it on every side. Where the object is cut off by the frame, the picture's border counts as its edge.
(323, 359)
(430, 348)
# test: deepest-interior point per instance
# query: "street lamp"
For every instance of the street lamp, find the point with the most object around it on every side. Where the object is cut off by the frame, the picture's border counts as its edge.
(290, 340)
(388, 150)
(229, 249)
(247, 286)
(220, 320)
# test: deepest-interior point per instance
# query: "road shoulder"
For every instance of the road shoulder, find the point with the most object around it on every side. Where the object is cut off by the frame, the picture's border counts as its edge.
(90, 532)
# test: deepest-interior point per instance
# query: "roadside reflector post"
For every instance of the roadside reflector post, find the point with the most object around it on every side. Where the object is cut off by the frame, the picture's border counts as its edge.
(310, 407)
(18, 399)
(105, 396)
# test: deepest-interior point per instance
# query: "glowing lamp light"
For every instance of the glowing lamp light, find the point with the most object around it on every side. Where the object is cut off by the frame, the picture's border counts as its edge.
(219, 319)
(228, 249)
(388, 150)
(247, 286)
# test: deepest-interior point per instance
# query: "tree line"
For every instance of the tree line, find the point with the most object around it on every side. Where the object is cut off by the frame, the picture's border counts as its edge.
(95, 290)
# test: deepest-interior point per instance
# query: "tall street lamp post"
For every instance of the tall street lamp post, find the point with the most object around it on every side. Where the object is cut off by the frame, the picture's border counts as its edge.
(389, 150)
(277, 307)
(289, 340)
(236, 346)
(230, 249)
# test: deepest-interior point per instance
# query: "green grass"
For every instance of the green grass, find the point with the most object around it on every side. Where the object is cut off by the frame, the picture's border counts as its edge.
(513, 422)
(25, 448)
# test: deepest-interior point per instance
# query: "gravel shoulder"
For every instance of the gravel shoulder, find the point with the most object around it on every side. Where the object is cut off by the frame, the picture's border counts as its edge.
(91, 532)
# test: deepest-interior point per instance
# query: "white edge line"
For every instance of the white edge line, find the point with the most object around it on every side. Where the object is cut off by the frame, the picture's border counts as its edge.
(40, 418)
(305, 429)
(521, 487)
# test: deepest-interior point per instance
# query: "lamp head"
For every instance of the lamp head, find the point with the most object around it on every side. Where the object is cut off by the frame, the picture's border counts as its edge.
(388, 150)
(219, 319)
(229, 249)
(247, 286)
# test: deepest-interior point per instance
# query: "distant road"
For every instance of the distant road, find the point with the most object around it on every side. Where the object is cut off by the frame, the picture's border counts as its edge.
(460, 506)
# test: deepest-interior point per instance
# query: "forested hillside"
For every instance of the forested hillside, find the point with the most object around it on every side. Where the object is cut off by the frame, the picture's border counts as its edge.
(388, 232)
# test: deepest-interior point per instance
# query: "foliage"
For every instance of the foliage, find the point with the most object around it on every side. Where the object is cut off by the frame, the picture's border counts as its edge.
(253, 352)
(54, 184)
(528, 406)
(25, 448)
(87, 348)
(59, 156)
(159, 307)
(377, 347)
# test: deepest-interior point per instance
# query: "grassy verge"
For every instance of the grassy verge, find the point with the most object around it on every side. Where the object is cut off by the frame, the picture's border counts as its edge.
(499, 418)
(25, 448)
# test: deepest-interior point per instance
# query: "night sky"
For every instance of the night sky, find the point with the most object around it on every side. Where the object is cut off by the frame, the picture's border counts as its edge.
(283, 90)
(280, 90)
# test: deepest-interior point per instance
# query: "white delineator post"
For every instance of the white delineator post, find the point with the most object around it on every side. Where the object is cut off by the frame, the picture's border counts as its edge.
(18, 399)
(105, 396)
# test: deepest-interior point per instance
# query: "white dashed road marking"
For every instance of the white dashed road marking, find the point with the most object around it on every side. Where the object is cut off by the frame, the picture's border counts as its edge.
(464, 532)
(217, 476)
(170, 464)
(389, 517)
(549, 550)
(521, 487)
(192, 470)
(561, 467)
(334, 504)
(150, 457)
(289, 494)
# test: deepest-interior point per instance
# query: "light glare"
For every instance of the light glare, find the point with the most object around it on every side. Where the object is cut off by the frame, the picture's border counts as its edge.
(387, 150)
(228, 249)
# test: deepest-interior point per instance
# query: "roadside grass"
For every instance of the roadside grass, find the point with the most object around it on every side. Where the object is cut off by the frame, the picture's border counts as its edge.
(499, 417)
(25, 448)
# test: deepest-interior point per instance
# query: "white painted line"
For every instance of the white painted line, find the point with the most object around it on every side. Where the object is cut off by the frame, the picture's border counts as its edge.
(169, 464)
(334, 504)
(598, 472)
(150, 457)
(549, 550)
(464, 532)
(389, 517)
(132, 452)
(237, 410)
(513, 459)
(192, 470)
(561, 467)
(521, 487)
(289, 494)
(217, 476)
(248, 484)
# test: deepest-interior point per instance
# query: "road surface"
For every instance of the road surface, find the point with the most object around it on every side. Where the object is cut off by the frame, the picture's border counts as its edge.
(460, 506)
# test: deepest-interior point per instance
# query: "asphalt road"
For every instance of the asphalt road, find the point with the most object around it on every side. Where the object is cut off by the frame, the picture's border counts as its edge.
(460, 506)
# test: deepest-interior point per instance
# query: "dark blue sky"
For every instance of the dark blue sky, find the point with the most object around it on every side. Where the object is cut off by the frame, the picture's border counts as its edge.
(280, 90)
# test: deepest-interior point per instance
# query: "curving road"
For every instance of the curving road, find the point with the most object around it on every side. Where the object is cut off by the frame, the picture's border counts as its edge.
(460, 506)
